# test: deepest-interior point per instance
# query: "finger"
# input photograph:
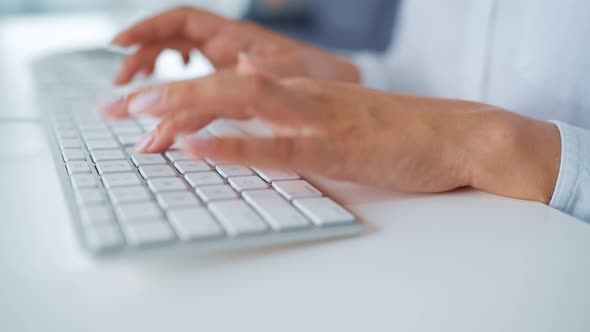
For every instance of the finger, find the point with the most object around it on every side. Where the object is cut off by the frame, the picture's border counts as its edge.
(297, 153)
(226, 90)
(146, 56)
(182, 22)
(149, 70)
(222, 50)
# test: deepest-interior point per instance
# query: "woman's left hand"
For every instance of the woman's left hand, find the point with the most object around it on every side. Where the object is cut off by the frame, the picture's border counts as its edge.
(348, 132)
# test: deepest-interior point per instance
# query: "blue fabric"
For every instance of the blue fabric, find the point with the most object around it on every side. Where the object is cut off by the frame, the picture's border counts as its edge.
(342, 24)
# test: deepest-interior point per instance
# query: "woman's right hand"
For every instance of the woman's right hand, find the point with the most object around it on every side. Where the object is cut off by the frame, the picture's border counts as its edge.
(221, 40)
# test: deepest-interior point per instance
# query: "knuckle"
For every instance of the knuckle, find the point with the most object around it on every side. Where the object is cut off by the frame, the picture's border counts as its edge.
(258, 84)
(302, 83)
(244, 25)
(232, 27)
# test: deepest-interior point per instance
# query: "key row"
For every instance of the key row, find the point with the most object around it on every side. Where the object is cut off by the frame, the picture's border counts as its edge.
(143, 223)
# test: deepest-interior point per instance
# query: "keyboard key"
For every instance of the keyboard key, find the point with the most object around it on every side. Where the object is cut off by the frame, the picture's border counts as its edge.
(73, 154)
(107, 155)
(80, 181)
(67, 133)
(159, 185)
(228, 171)
(115, 166)
(98, 134)
(92, 125)
(125, 127)
(128, 131)
(191, 166)
(216, 162)
(76, 167)
(216, 193)
(102, 237)
(90, 197)
(148, 123)
(135, 194)
(70, 143)
(238, 218)
(129, 139)
(94, 215)
(120, 180)
(148, 233)
(122, 123)
(296, 189)
(61, 124)
(276, 210)
(156, 171)
(203, 179)
(99, 144)
(138, 212)
(324, 211)
(223, 128)
(195, 223)
(147, 159)
(242, 183)
(272, 175)
(171, 200)
(174, 156)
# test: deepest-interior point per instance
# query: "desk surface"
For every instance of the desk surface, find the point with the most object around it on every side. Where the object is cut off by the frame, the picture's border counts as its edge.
(463, 261)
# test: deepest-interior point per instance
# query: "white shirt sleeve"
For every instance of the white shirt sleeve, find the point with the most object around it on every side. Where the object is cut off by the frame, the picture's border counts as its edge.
(572, 191)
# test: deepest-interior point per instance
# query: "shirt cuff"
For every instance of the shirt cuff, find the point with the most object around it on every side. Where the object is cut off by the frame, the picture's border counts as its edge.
(565, 193)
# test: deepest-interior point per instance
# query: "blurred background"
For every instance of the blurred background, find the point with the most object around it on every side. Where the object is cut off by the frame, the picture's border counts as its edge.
(346, 25)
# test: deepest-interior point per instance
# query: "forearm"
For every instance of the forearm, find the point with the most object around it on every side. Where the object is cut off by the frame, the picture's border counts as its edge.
(508, 154)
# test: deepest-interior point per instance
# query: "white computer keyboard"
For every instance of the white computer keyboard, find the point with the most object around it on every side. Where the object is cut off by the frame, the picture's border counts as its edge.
(123, 202)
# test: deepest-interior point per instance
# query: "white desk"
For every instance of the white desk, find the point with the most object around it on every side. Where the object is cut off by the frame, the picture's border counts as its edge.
(462, 261)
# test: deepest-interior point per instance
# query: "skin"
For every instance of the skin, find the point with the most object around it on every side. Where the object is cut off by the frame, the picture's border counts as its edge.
(328, 125)
(221, 40)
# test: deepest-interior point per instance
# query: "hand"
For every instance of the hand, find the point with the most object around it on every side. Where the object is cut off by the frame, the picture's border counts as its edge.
(221, 40)
(345, 131)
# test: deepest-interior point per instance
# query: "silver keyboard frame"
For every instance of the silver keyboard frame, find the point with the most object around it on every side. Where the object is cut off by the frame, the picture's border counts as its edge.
(227, 243)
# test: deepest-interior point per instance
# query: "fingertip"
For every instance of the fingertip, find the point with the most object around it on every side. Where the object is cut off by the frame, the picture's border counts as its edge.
(117, 40)
(122, 39)
(144, 142)
(121, 77)
(160, 142)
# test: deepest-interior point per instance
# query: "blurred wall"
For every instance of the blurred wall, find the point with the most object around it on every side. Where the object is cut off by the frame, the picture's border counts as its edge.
(333, 24)
(341, 24)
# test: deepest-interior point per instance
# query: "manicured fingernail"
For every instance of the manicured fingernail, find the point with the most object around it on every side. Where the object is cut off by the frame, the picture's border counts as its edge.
(111, 107)
(144, 142)
(144, 101)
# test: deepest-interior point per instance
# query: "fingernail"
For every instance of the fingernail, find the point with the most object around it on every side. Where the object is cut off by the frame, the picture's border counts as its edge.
(144, 101)
(144, 142)
(111, 107)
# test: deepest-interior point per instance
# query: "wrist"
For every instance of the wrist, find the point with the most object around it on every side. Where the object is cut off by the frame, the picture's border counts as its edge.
(509, 154)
